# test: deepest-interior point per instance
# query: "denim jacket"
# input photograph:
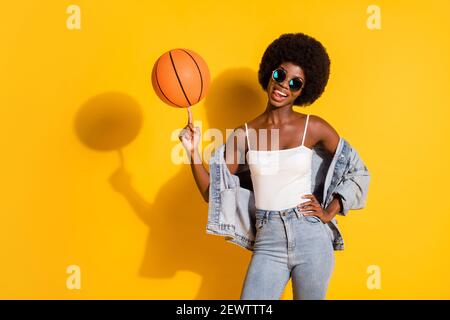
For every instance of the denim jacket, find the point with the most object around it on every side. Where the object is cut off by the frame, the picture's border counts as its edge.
(231, 206)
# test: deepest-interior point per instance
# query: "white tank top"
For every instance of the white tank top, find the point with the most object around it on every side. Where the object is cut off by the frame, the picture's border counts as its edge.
(280, 177)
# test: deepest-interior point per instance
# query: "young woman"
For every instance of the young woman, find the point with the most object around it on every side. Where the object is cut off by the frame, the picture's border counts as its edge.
(291, 237)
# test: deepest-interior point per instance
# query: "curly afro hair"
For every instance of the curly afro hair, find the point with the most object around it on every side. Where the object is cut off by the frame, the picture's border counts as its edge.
(304, 51)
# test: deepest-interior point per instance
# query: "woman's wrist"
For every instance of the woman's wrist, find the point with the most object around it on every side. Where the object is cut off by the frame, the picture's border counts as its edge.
(334, 207)
(194, 156)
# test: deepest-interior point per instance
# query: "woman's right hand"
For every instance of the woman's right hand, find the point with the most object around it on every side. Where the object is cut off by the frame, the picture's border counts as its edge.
(190, 137)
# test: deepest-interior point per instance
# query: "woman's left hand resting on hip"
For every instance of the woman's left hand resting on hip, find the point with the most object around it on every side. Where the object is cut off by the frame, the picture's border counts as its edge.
(313, 208)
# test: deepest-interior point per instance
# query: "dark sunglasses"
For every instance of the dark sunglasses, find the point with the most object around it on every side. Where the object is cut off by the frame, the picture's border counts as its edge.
(279, 75)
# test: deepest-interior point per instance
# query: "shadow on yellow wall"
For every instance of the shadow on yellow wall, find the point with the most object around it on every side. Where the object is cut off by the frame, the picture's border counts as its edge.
(177, 218)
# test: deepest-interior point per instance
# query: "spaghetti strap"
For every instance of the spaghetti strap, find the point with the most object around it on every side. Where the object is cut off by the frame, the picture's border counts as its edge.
(246, 134)
(306, 126)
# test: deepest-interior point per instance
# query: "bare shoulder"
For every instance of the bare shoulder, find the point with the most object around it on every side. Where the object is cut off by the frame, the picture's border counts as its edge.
(323, 132)
(238, 134)
(235, 148)
(318, 121)
(241, 131)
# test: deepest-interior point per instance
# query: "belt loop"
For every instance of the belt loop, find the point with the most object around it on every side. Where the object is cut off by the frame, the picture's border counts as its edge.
(297, 213)
(266, 215)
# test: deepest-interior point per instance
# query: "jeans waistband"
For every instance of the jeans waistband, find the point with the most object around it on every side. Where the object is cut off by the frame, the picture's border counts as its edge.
(284, 212)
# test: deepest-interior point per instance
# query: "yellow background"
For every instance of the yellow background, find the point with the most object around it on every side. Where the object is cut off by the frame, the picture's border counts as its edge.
(139, 232)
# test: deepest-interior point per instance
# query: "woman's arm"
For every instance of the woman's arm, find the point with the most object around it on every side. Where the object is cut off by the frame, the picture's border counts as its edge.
(234, 155)
(351, 192)
(190, 138)
(235, 147)
(201, 175)
(324, 134)
(328, 138)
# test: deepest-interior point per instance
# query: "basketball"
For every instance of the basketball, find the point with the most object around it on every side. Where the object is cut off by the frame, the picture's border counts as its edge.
(180, 78)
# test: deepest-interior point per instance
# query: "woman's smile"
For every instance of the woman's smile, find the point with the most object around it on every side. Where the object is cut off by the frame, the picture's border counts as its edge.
(277, 96)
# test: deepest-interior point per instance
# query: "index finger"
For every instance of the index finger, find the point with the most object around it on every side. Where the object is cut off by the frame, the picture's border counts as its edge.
(189, 115)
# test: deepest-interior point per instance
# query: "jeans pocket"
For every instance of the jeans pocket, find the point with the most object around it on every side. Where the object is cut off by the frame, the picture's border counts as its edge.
(312, 219)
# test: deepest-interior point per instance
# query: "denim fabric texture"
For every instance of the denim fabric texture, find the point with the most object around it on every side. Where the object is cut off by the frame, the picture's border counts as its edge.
(231, 207)
(289, 244)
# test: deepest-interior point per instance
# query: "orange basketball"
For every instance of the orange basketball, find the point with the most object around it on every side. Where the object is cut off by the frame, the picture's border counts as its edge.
(180, 78)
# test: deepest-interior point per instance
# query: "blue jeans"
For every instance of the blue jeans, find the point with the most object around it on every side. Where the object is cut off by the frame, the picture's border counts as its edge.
(289, 244)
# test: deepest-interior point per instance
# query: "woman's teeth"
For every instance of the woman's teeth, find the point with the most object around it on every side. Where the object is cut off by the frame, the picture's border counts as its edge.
(280, 93)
